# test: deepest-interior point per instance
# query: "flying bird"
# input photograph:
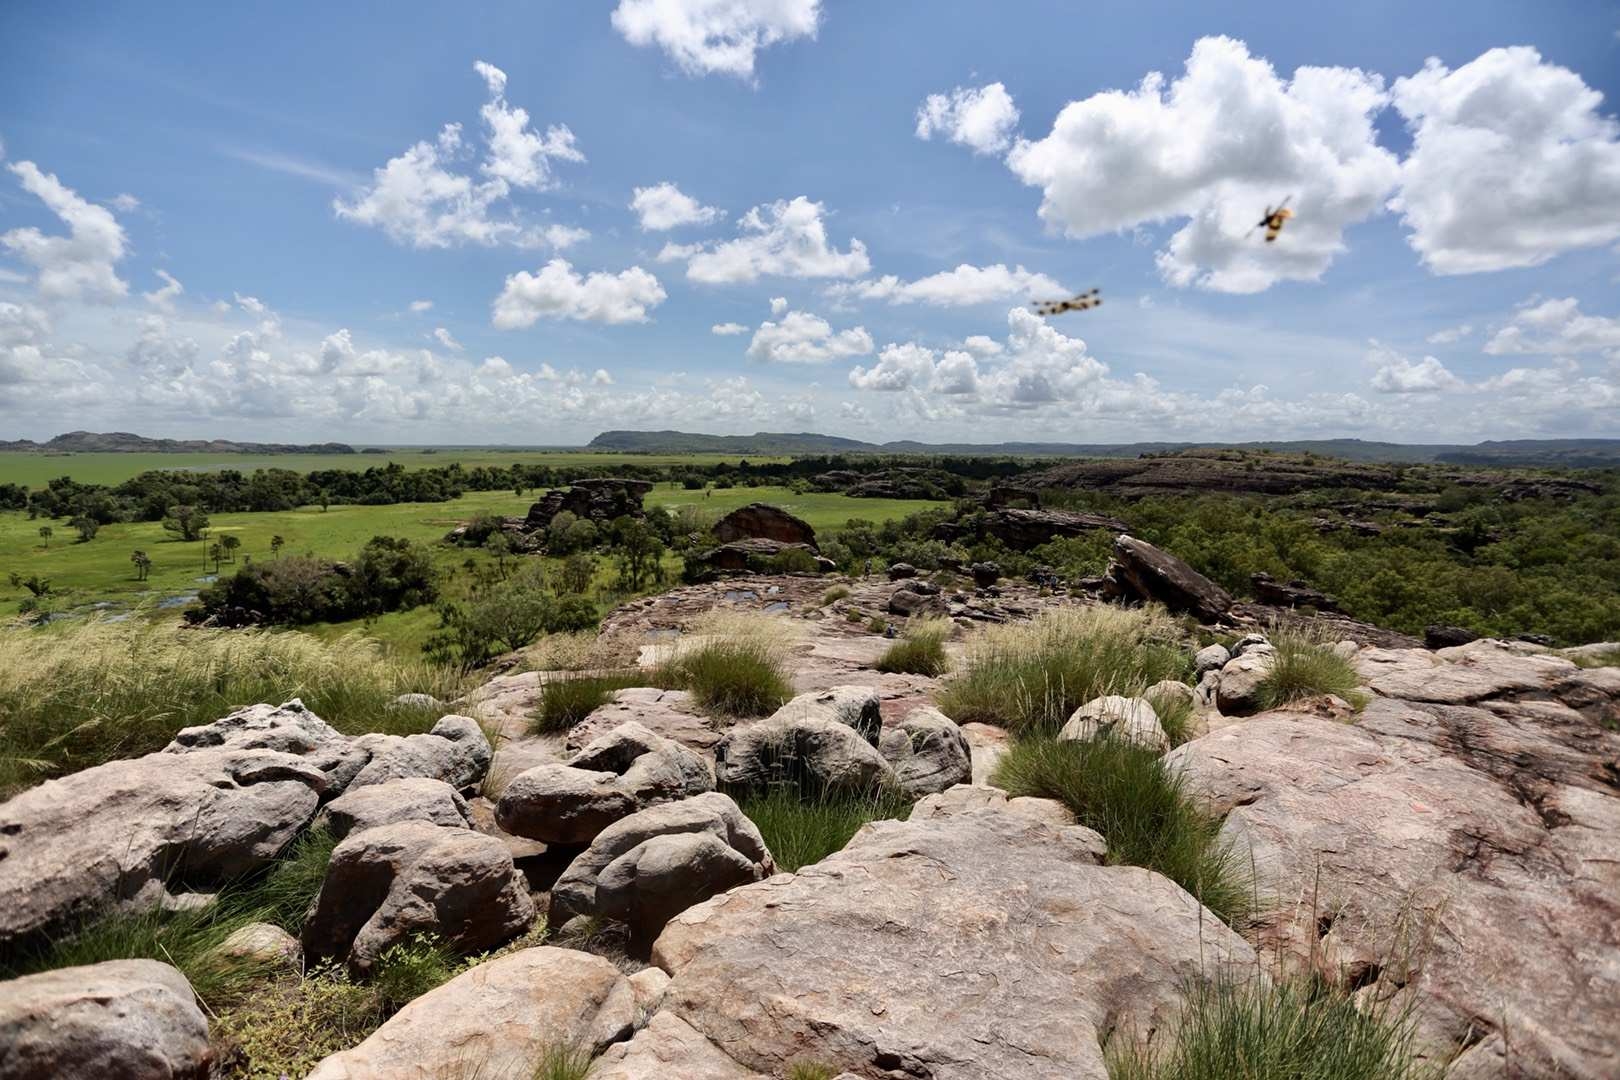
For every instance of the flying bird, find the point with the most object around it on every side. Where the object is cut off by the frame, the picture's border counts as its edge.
(1086, 300)
(1273, 221)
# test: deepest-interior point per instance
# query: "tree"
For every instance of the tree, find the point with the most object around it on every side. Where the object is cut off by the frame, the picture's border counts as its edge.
(45, 534)
(576, 574)
(324, 499)
(500, 546)
(637, 550)
(143, 564)
(277, 542)
(186, 521)
(229, 544)
(215, 554)
(86, 526)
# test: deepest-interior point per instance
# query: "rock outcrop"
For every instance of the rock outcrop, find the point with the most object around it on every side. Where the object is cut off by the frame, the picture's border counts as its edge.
(810, 740)
(1141, 572)
(1022, 529)
(761, 521)
(927, 751)
(416, 798)
(600, 500)
(456, 751)
(755, 555)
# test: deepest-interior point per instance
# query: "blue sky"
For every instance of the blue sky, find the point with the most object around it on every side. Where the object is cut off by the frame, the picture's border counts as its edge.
(867, 195)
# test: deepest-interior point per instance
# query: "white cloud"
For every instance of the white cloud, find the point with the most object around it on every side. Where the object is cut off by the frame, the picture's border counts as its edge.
(728, 329)
(981, 345)
(557, 292)
(1396, 374)
(1450, 335)
(84, 262)
(898, 367)
(496, 366)
(676, 252)
(419, 198)
(563, 237)
(124, 203)
(665, 206)
(1215, 146)
(163, 298)
(784, 239)
(707, 37)
(1511, 163)
(600, 377)
(447, 339)
(981, 119)
(962, 287)
(779, 304)
(420, 306)
(1556, 327)
(803, 338)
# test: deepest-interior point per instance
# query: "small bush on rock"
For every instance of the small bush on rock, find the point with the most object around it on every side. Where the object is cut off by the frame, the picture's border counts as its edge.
(834, 594)
(1306, 668)
(410, 969)
(921, 651)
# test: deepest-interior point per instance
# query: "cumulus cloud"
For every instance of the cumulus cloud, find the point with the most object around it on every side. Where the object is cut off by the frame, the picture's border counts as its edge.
(423, 197)
(1556, 327)
(803, 338)
(162, 298)
(558, 292)
(728, 329)
(706, 37)
(1214, 147)
(783, 239)
(962, 287)
(447, 339)
(1511, 163)
(664, 206)
(563, 237)
(981, 119)
(1450, 335)
(1395, 374)
(420, 306)
(82, 264)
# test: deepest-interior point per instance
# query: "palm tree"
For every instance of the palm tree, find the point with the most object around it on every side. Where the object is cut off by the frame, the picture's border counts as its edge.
(143, 564)
(230, 543)
(276, 544)
(45, 534)
(215, 553)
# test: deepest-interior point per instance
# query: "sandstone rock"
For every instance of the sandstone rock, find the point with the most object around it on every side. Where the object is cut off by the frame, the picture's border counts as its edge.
(764, 522)
(648, 986)
(1238, 692)
(496, 1020)
(669, 713)
(902, 570)
(1147, 573)
(1453, 857)
(801, 743)
(984, 945)
(668, 1048)
(909, 603)
(600, 499)
(1247, 642)
(288, 729)
(1486, 669)
(927, 751)
(126, 831)
(122, 1020)
(859, 707)
(1211, 658)
(1290, 594)
(650, 767)
(390, 883)
(1129, 718)
(711, 814)
(964, 798)
(1598, 650)
(663, 876)
(456, 751)
(1170, 693)
(1436, 636)
(757, 555)
(414, 798)
(264, 943)
(1022, 529)
(988, 744)
(985, 574)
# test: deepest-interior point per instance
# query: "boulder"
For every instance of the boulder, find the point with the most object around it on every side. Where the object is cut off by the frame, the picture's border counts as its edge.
(985, 944)
(663, 876)
(1131, 719)
(414, 798)
(985, 574)
(601, 500)
(761, 521)
(803, 742)
(711, 814)
(122, 1020)
(1238, 691)
(965, 798)
(927, 752)
(1460, 860)
(1247, 642)
(456, 751)
(1290, 594)
(1210, 658)
(1167, 694)
(139, 830)
(263, 943)
(910, 602)
(758, 555)
(288, 729)
(1143, 572)
(668, 1048)
(648, 986)
(651, 768)
(498, 1019)
(860, 707)
(669, 713)
(388, 884)
(902, 570)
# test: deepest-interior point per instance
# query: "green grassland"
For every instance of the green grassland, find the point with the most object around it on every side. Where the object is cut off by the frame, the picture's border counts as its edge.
(99, 572)
(36, 469)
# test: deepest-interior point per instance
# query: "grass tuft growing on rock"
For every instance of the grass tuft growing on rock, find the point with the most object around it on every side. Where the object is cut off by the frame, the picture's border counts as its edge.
(800, 828)
(1031, 676)
(563, 1063)
(1131, 797)
(566, 701)
(284, 895)
(734, 665)
(1305, 668)
(1175, 713)
(1292, 1028)
(921, 649)
(77, 697)
(811, 1070)
(834, 594)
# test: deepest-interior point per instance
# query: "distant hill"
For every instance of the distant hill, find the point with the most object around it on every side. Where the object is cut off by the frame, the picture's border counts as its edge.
(1553, 453)
(123, 442)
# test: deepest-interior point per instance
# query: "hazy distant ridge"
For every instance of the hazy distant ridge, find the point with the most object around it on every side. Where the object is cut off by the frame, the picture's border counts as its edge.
(123, 442)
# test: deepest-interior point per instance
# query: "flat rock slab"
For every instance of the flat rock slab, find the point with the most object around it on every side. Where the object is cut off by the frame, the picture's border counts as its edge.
(669, 713)
(1488, 670)
(986, 945)
(1462, 859)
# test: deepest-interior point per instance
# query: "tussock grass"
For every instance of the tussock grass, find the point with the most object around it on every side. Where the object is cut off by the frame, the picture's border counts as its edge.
(834, 594)
(563, 1063)
(1131, 797)
(284, 895)
(75, 697)
(1305, 667)
(579, 651)
(800, 828)
(1175, 715)
(1031, 676)
(811, 1070)
(735, 665)
(1291, 1028)
(921, 649)
(565, 702)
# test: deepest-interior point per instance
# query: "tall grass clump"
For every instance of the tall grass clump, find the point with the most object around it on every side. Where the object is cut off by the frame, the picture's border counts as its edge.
(1138, 804)
(1175, 713)
(76, 697)
(283, 896)
(1305, 667)
(802, 827)
(563, 1062)
(564, 702)
(734, 665)
(920, 650)
(1031, 676)
(1291, 1028)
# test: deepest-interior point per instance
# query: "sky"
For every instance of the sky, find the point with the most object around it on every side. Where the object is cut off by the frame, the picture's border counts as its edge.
(527, 222)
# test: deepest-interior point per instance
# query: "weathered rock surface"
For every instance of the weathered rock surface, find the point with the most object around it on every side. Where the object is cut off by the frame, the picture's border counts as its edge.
(1465, 858)
(119, 1020)
(668, 1048)
(1143, 572)
(1211, 658)
(909, 601)
(1290, 594)
(1237, 691)
(1489, 670)
(414, 798)
(601, 500)
(712, 814)
(761, 521)
(387, 884)
(131, 830)
(497, 1020)
(289, 728)
(669, 713)
(804, 740)
(1129, 718)
(455, 750)
(964, 798)
(757, 555)
(927, 752)
(663, 876)
(1022, 529)
(1037, 949)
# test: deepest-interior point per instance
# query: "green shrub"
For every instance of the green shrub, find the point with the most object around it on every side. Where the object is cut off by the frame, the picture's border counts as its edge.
(1127, 794)
(811, 1070)
(566, 701)
(791, 561)
(921, 651)
(287, 1028)
(736, 666)
(1292, 1028)
(800, 829)
(410, 969)
(877, 624)
(1305, 668)
(284, 895)
(1033, 675)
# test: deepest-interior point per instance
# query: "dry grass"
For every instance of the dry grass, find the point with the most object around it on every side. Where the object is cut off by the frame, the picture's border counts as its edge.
(920, 650)
(733, 663)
